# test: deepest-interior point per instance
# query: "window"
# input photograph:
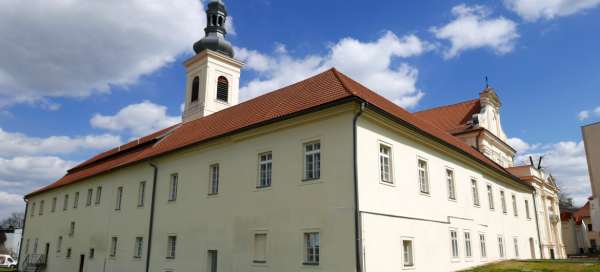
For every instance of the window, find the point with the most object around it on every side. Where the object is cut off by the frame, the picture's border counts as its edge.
(501, 246)
(27, 246)
(88, 201)
(482, 245)
(527, 214)
(59, 244)
(92, 253)
(222, 89)
(454, 243)
(66, 203)
(265, 169)
(213, 256)
(98, 195)
(475, 192)
(53, 208)
(141, 193)
(451, 184)
(119, 198)
(423, 177)
(68, 253)
(171, 246)
(214, 179)
(76, 200)
(195, 89)
(260, 248)
(385, 163)
(42, 207)
(516, 243)
(312, 160)
(503, 201)
(173, 187)
(72, 229)
(113, 246)
(468, 249)
(32, 209)
(138, 247)
(311, 248)
(514, 204)
(35, 246)
(490, 196)
(407, 253)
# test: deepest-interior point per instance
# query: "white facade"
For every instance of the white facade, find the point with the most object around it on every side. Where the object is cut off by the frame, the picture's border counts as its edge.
(591, 139)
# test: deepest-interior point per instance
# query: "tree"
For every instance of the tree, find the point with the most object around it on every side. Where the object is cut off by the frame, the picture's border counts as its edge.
(565, 202)
(15, 220)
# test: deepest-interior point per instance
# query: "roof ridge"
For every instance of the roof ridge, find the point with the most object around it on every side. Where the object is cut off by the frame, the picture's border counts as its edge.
(337, 73)
(448, 105)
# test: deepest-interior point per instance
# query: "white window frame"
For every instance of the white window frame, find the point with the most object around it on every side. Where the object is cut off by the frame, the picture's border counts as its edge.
(119, 198)
(314, 173)
(265, 169)
(53, 209)
(411, 264)
(516, 246)
(490, 193)
(41, 208)
(72, 229)
(501, 247)
(138, 247)
(32, 213)
(141, 194)
(59, 243)
(98, 195)
(468, 244)
(423, 176)
(173, 187)
(503, 201)
(514, 204)
(312, 248)
(214, 177)
(171, 246)
(450, 178)
(475, 192)
(114, 242)
(454, 244)
(66, 202)
(482, 245)
(386, 172)
(76, 200)
(90, 196)
(527, 211)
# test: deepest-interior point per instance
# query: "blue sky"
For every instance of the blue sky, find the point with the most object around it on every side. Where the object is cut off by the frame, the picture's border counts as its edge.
(77, 79)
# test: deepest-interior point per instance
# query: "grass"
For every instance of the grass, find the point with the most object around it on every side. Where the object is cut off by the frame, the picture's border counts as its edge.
(7, 269)
(541, 266)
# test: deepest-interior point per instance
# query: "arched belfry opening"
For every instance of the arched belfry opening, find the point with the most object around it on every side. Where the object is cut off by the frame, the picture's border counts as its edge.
(195, 89)
(223, 89)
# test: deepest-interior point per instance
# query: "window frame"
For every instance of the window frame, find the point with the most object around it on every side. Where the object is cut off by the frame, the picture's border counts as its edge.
(316, 158)
(53, 208)
(138, 247)
(412, 263)
(516, 246)
(490, 193)
(311, 254)
(214, 179)
(268, 171)
(265, 259)
(76, 200)
(173, 187)
(65, 202)
(468, 244)
(475, 192)
(114, 243)
(482, 245)
(390, 163)
(426, 176)
(514, 205)
(119, 198)
(227, 86)
(98, 196)
(527, 211)
(141, 194)
(171, 246)
(89, 197)
(501, 247)
(450, 183)
(41, 208)
(454, 244)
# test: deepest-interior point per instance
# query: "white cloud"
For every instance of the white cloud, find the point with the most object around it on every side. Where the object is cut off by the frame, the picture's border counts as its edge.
(10, 203)
(136, 119)
(532, 10)
(14, 144)
(473, 28)
(597, 111)
(520, 145)
(583, 115)
(78, 48)
(368, 62)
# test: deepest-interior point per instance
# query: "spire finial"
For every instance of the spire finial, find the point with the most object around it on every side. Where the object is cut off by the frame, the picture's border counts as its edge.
(216, 17)
(487, 84)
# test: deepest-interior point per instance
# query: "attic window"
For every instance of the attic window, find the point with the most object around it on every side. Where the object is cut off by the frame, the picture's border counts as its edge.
(222, 89)
(195, 89)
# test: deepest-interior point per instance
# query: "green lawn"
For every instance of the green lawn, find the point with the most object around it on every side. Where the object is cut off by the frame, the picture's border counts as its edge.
(7, 269)
(541, 266)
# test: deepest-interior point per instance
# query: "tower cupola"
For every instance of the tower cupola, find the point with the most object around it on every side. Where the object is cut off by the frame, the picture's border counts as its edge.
(216, 17)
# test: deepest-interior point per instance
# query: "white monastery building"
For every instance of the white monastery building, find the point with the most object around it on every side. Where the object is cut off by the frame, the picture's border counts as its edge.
(321, 175)
(591, 139)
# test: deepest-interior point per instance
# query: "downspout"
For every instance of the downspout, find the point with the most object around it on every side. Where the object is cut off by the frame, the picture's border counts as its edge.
(537, 225)
(357, 215)
(23, 232)
(151, 223)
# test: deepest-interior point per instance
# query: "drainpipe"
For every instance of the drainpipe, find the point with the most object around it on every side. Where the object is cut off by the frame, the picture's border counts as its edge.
(151, 223)
(23, 232)
(537, 225)
(357, 215)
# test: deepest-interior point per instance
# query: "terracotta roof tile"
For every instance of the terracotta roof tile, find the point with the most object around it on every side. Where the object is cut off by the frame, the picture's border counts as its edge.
(325, 88)
(451, 118)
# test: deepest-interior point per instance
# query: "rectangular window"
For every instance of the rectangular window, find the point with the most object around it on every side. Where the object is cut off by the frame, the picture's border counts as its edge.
(475, 192)
(35, 246)
(490, 196)
(141, 193)
(527, 209)
(407, 253)
(214, 179)
(72, 229)
(451, 184)
(113, 246)
(53, 208)
(312, 241)
(59, 244)
(385, 163)
(501, 246)
(173, 187)
(260, 248)
(88, 201)
(32, 209)
(312, 160)
(69, 251)
(66, 202)
(92, 253)
(482, 245)
(516, 243)
(468, 249)
(119, 199)
(171, 246)
(76, 200)
(213, 257)
(514, 204)
(423, 177)
(454, 243)
(138, 247)
(98, 195)
(42, 207)
(265, 169)
(503, 201)
(27, 246)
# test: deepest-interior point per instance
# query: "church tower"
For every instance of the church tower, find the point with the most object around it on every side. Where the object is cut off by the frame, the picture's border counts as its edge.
(213, 75)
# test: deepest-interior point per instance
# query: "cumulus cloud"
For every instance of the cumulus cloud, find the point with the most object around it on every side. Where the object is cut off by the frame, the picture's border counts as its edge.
(532, 10)
(15, 144)
(474, 28)
(520, 145)
(78, 48)
(583, 115)
(137, 119)
(370, 63)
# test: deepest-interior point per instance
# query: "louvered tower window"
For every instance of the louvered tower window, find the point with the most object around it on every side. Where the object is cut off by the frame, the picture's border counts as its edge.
(222, 89)
(195, 89)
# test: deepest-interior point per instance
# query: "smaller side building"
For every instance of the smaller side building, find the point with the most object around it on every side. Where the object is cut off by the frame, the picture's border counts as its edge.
(12, 241)
(578, 233)
(591, 140)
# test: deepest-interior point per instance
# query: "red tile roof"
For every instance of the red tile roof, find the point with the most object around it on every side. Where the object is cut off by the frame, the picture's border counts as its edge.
(452, 118)
(323, 89)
